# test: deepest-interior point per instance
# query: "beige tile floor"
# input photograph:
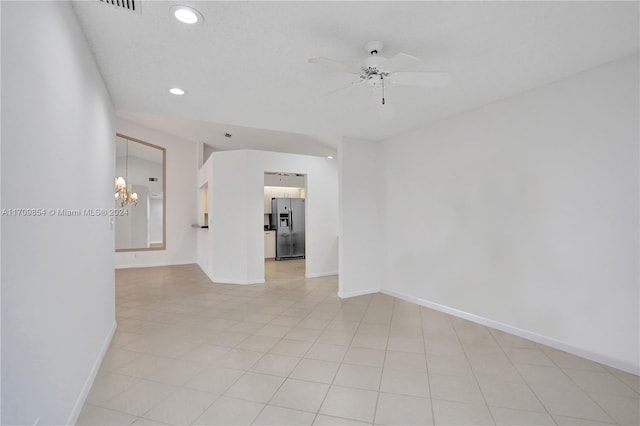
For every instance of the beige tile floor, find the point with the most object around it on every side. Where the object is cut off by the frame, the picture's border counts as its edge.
(290, 352)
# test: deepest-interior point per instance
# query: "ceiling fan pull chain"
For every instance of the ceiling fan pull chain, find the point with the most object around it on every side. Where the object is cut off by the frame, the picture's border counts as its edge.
(382, 78)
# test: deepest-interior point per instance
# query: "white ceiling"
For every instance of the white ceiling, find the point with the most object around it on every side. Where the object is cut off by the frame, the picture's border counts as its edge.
(129, 148)
(241, 137)
(245, 68)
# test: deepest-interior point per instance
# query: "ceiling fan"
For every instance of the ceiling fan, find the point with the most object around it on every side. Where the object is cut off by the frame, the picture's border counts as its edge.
(375, 70)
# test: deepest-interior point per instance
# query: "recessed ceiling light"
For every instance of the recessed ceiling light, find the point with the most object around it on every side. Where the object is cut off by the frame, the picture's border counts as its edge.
(176, 91)
(330, 157)
(186, 14)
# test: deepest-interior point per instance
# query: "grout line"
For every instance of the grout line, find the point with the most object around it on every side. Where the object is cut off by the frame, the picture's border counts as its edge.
(521, 376)
(384, 359)
(205, 410)
(318, 301)
(424, 343)
(583, 390)
(345, 354)
(464, 350)
(299, 361)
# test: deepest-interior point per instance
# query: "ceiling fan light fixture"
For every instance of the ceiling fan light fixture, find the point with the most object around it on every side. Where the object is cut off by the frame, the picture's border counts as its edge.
(186, 14)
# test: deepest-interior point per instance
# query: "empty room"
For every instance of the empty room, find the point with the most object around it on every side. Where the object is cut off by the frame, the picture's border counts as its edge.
(320, 213)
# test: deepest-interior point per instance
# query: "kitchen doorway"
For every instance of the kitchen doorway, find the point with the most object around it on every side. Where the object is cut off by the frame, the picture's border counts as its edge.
(284, 225)
(275, 270)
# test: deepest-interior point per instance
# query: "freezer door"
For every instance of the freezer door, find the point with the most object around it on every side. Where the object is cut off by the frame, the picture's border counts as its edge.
(297, 227)
(281, 208)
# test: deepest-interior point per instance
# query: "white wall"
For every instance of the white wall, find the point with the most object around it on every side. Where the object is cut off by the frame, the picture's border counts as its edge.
(362, 224)
(181, 200)
(58, 151)
(206, 152)
(292, 181)
(525, 213)
(155, 220)
(1, 398)
(132, 229)
(139, 225)
(228, 216)
(236, 208)
(145, 218)
(137, 171)
(205, 236)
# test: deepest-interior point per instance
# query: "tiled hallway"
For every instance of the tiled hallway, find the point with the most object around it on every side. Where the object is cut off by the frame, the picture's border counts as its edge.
(291, 352)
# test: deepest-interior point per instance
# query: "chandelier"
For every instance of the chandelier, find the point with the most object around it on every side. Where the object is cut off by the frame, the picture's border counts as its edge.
(122, 192)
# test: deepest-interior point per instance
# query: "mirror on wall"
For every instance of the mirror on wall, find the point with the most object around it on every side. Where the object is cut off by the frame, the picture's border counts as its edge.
(140, 194)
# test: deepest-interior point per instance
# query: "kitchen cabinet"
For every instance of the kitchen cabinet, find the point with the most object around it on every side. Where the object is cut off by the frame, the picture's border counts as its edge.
(279, 192)
(269, 244)
(285, 193)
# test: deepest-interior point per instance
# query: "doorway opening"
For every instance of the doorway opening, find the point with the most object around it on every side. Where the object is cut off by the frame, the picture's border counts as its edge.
(285, 218)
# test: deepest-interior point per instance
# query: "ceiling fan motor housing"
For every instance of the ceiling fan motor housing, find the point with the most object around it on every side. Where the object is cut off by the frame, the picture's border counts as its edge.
(371, 64)
(373, 47)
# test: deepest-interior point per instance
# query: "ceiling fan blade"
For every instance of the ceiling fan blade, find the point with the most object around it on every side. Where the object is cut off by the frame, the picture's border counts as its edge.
(421, 78)
(336, 65)
(399, 62)
(355, 83)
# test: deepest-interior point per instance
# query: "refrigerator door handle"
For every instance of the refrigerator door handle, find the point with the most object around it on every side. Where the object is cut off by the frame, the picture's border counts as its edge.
(291, 219)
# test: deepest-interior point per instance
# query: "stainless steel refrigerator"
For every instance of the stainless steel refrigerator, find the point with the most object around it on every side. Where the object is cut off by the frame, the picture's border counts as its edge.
(287, 218)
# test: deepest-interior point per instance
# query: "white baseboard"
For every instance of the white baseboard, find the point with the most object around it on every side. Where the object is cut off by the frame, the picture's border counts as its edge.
(321, 274)
(77, 407)
(525, 334)
(346, 295)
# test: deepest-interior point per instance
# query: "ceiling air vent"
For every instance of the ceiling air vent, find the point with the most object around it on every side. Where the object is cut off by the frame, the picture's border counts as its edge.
(130, 5)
